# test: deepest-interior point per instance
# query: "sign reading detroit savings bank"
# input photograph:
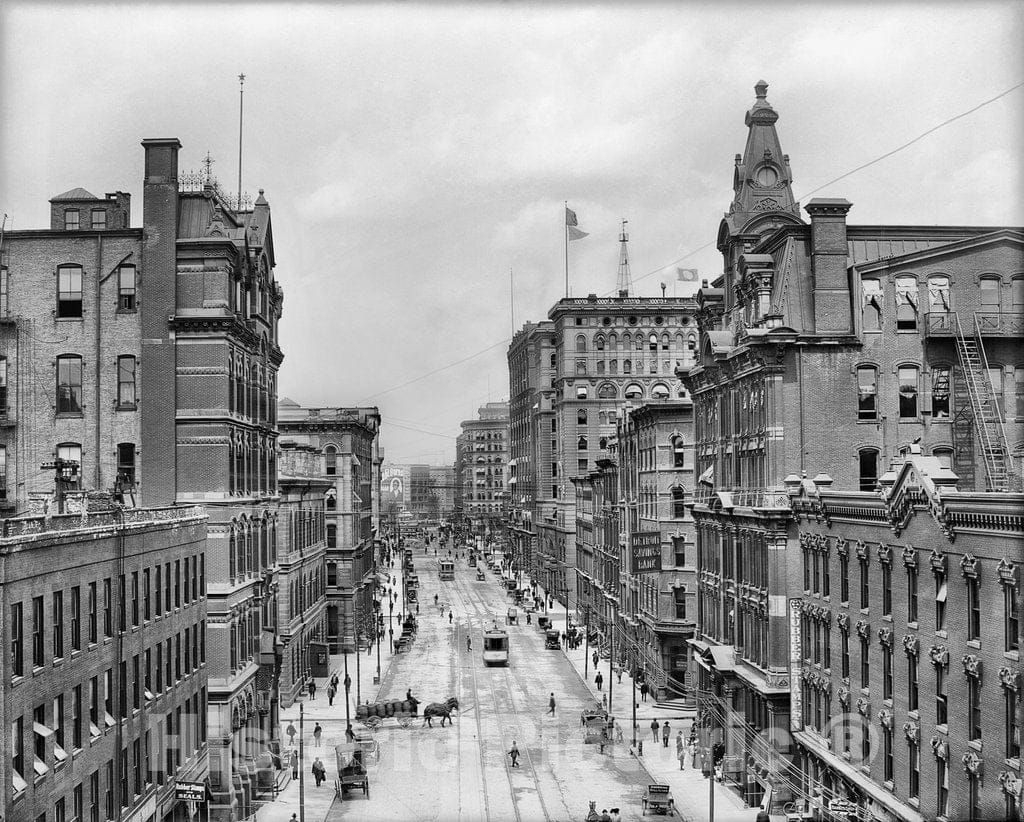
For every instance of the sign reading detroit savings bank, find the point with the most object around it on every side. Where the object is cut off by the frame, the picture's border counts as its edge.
(645, 552)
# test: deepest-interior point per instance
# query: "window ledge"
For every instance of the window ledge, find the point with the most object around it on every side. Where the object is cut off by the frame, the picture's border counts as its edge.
(974, 643)
(132, 407)
(942, 634)
(912, 625)
(1014, 656)
(888, 784)
(914, 802)
(975, 744)
(1013, 763)
(70, 415)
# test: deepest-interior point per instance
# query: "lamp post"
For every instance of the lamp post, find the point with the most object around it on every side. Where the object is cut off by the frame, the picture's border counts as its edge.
(302, 770)
(359, 640)
(376, 628)
(348, 682)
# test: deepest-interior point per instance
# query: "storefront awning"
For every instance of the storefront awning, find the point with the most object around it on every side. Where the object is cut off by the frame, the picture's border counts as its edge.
(723, 657)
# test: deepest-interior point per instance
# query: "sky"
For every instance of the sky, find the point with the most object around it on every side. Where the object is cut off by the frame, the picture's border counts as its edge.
(415, 154)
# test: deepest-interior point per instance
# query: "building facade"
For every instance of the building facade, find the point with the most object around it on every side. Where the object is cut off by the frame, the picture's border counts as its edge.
(906, 692)
(825, 347)
(347, 441)
(442, 487)
(484, 465)
(163, 389)
(105, 683)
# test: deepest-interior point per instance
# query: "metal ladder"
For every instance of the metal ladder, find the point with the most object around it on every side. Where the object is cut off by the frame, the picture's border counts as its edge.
(987, 420)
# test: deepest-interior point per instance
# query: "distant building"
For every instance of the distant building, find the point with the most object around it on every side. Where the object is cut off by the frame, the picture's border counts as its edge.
(105, 673)
(442, 486)
(484, 457)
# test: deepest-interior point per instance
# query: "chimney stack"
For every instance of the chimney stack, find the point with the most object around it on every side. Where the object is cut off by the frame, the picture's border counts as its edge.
(829, 256)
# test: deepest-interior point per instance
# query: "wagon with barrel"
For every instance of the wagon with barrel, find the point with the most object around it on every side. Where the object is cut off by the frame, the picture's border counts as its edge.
(404, 711)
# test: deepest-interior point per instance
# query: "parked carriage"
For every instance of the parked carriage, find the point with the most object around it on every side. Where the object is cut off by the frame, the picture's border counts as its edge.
(351, 770)
(658, 799)
(552, 639)
(496, 646)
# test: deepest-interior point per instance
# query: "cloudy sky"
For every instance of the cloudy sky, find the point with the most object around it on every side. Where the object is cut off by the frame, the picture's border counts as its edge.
(413, 154)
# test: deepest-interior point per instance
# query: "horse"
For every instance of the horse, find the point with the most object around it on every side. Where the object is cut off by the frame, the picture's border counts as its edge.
(441, 709)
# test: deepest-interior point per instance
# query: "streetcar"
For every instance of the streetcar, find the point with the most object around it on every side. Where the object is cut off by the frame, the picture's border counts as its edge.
(495, 646)
(446, 569)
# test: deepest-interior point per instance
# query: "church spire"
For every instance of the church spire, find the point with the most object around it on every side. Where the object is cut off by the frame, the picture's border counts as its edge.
(762, 181)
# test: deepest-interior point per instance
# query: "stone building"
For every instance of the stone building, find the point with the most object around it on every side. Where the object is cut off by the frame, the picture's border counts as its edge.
(483, 466)
(442, 487)
(346, 441)
(906, 692)
(105, 665)
(301, 560)
(163, 388)
(827, 347)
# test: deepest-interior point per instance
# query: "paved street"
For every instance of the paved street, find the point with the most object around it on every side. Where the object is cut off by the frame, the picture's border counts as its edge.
(463, 771)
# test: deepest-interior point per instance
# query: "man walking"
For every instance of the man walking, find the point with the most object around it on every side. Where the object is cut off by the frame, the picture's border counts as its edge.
(450, 617)
(666, 732)
(312, 690)
(599, 679)
(295, 764)
(593, 658)
(319, 772)
(330, 696)
(513, 754)
(469, 643)
(317, 733)
(290, 730)
(551, 704)
(654, 729)
(644, 690)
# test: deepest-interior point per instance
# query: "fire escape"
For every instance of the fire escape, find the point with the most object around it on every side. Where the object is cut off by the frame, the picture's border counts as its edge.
(988, 422)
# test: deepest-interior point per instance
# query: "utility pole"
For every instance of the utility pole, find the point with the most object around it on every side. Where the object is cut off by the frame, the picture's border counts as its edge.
(302, 767)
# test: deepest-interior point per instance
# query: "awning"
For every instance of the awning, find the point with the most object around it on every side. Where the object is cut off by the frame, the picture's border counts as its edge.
(723, 657)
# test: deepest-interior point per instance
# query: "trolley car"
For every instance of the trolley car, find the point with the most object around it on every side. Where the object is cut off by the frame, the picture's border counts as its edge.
(447, 569)
(495, 646)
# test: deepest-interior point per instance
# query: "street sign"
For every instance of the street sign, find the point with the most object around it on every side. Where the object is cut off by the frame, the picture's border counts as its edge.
(842, 806)
(645, 552)
(190, 791)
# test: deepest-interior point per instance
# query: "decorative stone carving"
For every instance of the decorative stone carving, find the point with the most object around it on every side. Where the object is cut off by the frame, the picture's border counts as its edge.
(1010, 783)
(842, 548)
(939, 655)
(844, 697)
(1007, 572)
(912, 731)
(885, 718)
(940, 747)
(885, 636)
(885, 554)
(863, 629)
(910, 644)
(972, 664)
(862, 550)
(937, 559)
(864, 707)
(972, 763)
(1009, 678)
(843, 621)
(969, 566)
(910, 556)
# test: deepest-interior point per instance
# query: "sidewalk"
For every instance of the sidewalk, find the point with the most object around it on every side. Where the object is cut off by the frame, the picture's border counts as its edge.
(690, 788)
(319, 801)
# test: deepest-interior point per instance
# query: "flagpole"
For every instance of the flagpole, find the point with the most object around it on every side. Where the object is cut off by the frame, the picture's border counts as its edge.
(512, 300)
(565, 215)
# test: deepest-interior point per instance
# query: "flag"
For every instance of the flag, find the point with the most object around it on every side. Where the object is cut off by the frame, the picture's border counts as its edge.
(687, 275)
(571, 226)
(707, 478)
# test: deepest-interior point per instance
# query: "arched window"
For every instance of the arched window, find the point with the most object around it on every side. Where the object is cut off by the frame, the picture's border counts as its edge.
(908, 388)
(873, 296)
(652, 342)
(867, 393)
(990, 295)
(639, 342)
(678, 503)
(599, 342)
(331, 460)
(938, 294)
(581, 416)
(612, 342)
(603, 443)
(581, 343)
(678, 452)
(581, 367)
(633, 391)
(331, 500)
(607, 392)
(691, 342)
(944, 456)
(581, 444)
(659, 391)
(906, 303)
(627, 366)
(867, 460)
(664, 342)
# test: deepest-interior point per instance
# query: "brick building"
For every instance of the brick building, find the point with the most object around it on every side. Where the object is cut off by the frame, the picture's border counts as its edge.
(484, 460)
(827, 347)
(162, 385)
(442, 487)
(302, 567)
(346, 441)
(105, 665)
(906, 691)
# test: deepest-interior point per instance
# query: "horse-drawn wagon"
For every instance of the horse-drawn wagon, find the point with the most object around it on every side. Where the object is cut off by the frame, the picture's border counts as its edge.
(658, 799)
(552, 639)
(351, 770)
(595, 724)
(404, 711)
(512, 616)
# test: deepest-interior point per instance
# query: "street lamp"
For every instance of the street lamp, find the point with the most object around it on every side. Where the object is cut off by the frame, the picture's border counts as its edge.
(348, 682)
(377, 632)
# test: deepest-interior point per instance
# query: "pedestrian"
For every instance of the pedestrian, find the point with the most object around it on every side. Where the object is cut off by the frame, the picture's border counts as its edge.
(654, 728)
(599, 680)
(330, 696)
(399, 617)
(513, 754)
(594, 658)
(613, 815)
(528, 620)
(604, 817)
(618, 673)
(604, 701)
(644, 690)
(317, 733)
(417, 609)
(469, 643)
(435, 599)
(290, 730)
(551, 704)
(334, 680)
(295, 764)
(450, 617)
(350, 735)
(666, 732)
(295, 818)
(312, 690)
(680, 742)
(319, 772)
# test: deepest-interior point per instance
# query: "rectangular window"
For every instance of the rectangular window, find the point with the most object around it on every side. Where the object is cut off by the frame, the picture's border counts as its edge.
(126, 382)
(868, 464)
(92, 630)
(76, 618)
(126, 288)
(159, 668)
(886, 672)
(71, 219)
(136, 684)
(887, 753)
(864, 587)
(157, 588)
(99, 219)
(122, 603)
(78, 804)
(177, 583)
(59, 740)
(122, 689)
(1011, 620)
(57, 612)
(941, 704)
(886, 589)
(940, 392)
(69, 292)
(94, 797)
(3, 386)
(907, 377)
(973, 608)
(186, 577)
(865, 665)
(844, 578)
(4, 294)
(167, 587)
(973, 707)
(38, 652)
(69, 385)
(59, 811)
(135, 599)
(76, 717)
(914, 764)
(17, 629)
(137, 766)
(940, 601)
(844, 653)
(912, 685)
(911, 594)
(146, 593)
(942, 787)
(108, 609)
(867, 393)
(94, 707)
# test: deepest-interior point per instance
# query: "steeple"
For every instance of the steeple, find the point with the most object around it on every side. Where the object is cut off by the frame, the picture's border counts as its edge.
(762, 180)
(625, 282)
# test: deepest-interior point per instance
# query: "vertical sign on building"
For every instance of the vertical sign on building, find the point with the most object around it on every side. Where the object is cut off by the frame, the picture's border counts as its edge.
(796, 707)
(645, 552)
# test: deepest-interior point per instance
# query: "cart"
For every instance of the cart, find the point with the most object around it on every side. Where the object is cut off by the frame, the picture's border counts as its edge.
(552, 639)
(351, 770)
(543, 622)
(595, 724)
(480, 575)
(512, 616)
(658, 799)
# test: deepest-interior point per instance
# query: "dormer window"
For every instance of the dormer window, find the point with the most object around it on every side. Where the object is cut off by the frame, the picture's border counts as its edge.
(906, 303)
(71, 219)
(872, 312)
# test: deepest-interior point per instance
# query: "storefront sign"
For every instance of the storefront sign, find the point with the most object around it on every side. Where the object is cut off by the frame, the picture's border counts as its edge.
(796, 707)
(190, 791)
(645, 552)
